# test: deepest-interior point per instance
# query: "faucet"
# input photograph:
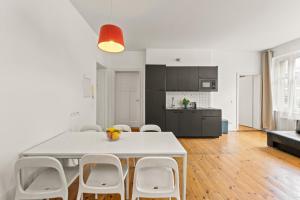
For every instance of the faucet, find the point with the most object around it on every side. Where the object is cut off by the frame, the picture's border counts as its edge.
(172, 105)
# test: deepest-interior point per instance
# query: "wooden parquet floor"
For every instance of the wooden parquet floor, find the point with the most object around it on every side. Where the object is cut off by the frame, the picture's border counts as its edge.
(236, 166)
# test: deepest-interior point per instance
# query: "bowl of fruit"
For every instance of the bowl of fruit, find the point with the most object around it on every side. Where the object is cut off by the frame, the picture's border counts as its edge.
(113, 134)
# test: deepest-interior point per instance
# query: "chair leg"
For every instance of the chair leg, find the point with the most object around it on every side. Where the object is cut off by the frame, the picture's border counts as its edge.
(79, 196)
(127, 180)
(122, 196)
(133, 195)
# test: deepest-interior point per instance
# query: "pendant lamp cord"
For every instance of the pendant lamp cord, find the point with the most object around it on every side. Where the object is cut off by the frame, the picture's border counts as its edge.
(110, 16)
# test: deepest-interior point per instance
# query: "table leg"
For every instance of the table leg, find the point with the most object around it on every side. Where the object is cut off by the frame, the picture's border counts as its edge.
(127, 179)
(184, 174)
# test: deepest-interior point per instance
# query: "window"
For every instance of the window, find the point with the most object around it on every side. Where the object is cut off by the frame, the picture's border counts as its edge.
(297, 84)
(286, 86)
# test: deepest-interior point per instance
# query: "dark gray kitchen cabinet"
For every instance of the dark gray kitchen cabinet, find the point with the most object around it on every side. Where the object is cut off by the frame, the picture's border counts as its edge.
(194, 123)
(172, 79)
(156, 77)
(188, 79)
(155, 108)
(182, 79)
(208, 72)
(172, 122)
(155, 93)
(211, 126)
(190, 123)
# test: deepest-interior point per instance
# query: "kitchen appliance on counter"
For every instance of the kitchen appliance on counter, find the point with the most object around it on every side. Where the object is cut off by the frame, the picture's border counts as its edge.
(193, 105)
(298, 126)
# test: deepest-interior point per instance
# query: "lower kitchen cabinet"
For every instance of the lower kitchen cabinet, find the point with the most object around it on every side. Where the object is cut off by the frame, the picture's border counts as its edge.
(194, 123)
(190, 123)
(155, 108)
(172, 122)
(211, 126)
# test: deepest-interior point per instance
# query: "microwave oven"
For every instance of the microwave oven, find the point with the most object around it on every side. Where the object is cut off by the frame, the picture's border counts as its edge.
(207, 84)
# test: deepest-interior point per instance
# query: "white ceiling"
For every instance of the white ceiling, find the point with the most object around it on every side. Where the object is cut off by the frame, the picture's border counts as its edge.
(205, 24)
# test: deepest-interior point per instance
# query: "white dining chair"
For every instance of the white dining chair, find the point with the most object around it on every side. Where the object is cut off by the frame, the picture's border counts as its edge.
(94, 127)
(106, 177)
(123, 127)
(50, 182)
(150, 128)
(156, 177)
(85, 128)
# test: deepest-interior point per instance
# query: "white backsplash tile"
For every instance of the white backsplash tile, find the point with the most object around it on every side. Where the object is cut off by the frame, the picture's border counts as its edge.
(202, 99)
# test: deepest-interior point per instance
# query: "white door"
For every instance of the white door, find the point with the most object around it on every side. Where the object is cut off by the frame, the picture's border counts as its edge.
(127, 98)
(246, 101)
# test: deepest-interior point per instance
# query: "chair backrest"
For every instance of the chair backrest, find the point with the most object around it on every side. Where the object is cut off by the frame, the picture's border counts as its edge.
(107, 159)
(150, 128)
(123, 127)
(158, 162)
(39, 162)
(94, 127)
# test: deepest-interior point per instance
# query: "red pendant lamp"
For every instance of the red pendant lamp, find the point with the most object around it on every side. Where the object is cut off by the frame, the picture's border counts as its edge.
(111, 39)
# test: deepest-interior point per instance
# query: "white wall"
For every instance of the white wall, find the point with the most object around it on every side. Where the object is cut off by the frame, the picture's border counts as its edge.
(286, 48)
(189, 57)
(46, 48)
(230, 63)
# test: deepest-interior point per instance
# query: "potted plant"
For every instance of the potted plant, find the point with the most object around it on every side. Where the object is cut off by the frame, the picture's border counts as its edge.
(185, 102)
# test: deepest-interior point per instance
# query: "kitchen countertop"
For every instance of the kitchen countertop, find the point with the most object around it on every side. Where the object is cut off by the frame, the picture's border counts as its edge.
(191, 109)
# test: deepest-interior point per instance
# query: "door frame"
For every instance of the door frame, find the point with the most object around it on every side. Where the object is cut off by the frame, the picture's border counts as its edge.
(238, 98)
(105, 92)
(141, 73)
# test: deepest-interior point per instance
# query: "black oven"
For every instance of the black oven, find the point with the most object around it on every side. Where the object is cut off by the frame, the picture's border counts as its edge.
(207, 84)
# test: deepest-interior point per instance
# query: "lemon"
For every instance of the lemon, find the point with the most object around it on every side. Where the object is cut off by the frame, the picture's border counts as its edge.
(115, 136)
(111, 130)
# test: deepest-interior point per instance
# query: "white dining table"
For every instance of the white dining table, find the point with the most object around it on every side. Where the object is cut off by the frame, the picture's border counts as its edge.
(130, 145)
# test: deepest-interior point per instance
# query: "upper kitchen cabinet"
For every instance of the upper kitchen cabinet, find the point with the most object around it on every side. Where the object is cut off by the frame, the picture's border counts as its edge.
(172, 79)
(208, 72)
(156, 77)
(188, 79)
(182, 79)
